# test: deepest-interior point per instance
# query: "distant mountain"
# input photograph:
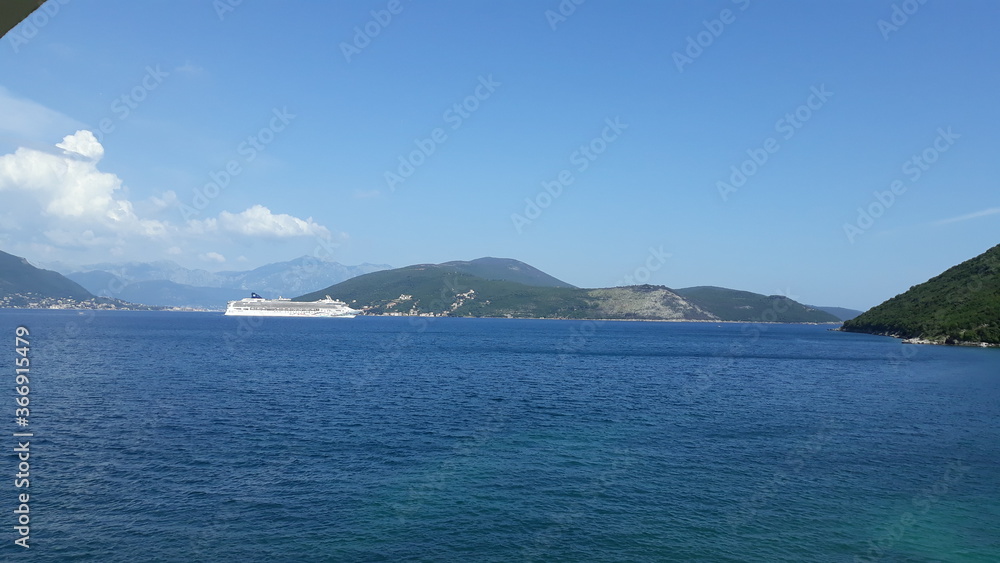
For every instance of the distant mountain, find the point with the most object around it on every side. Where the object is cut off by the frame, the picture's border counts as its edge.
(17, 276)
(139, 271)
(170, 294)
(839, 312)
(735, 305)
(294, 277)
(97, 282)
(167, 283)
(961, 305)
(448, 289)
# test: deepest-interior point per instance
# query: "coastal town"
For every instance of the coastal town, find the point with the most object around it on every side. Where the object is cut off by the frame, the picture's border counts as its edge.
(35, 301)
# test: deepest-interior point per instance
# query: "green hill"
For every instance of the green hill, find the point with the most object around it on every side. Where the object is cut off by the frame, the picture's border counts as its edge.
(506, 269)
(449, 289)
(442, 289)
(841, 313)
(962, 305)
(18, 277)
(735, 305)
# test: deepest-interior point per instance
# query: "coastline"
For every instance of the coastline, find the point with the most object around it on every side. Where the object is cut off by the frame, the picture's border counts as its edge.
(925, 341)
(597, 320)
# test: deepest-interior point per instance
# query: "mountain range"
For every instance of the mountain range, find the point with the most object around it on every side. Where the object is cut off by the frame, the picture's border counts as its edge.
(959, 306)
(166, 283)
(485, 287)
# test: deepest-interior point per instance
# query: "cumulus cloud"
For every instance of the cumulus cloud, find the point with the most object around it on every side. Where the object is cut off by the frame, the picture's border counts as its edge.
(259, 222)
(83, 143)
(60, 195)
(70, 186)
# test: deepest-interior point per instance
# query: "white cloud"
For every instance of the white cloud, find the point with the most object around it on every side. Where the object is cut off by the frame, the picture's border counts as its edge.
(58, 198)
(70, 187)
(202, 227)
(976, 215)
(258, 221)
(83, 143)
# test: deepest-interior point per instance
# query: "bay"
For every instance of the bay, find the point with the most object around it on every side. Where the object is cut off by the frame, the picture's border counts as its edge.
(198, 437)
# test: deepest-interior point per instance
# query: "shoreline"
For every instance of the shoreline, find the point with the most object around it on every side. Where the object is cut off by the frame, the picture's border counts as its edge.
(925, 341)
(195, 310)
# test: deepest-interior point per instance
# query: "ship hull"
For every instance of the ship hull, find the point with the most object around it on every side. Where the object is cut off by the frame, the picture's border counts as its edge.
(258, 307)
(267, 313)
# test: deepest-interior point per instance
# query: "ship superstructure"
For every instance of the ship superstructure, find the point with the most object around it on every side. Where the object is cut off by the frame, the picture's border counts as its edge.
(257, 306)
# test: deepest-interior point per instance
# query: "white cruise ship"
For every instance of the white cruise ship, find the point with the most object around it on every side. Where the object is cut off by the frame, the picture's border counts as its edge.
(257, 306)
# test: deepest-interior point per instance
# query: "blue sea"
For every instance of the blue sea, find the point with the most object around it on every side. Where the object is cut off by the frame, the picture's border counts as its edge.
(161, 436)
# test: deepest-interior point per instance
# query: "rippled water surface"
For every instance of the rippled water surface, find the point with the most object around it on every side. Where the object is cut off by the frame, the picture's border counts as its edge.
(199, 437)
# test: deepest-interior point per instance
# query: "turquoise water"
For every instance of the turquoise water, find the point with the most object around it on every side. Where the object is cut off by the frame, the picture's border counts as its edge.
(198, 437)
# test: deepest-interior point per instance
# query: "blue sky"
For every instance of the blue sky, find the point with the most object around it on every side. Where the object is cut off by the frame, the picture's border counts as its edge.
(643, 109)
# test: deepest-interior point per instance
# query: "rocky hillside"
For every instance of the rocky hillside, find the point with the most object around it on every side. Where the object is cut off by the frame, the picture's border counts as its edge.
(645, 302)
